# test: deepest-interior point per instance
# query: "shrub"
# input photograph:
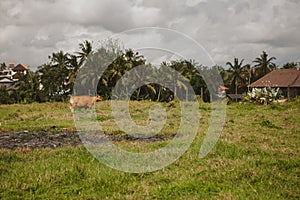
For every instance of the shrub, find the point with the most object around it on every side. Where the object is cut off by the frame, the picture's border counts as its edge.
(263, 95)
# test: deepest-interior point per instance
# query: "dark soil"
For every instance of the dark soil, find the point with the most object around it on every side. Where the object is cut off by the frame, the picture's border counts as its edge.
(30, 139)
(44, 139)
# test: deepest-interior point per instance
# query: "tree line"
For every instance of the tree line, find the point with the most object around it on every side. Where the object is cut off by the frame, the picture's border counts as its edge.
(54, 80)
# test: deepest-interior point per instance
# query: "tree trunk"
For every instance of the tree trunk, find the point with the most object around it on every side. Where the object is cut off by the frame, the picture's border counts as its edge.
(236, 87)
(159, 91)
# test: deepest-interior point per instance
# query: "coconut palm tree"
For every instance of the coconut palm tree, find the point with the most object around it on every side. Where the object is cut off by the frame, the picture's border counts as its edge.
(291, 65)
(86, 50)
(29, 87)
(142, 75)
(74, 66)
(54, 76)
(188, 69)
(264, 64)
(2, 66)
(237, 73)
(60, 59)
(180, 82)
(163, 77)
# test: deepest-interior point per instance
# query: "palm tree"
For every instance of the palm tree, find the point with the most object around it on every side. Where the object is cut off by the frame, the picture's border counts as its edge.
(124, 63)
(143, 75)
(86, 50)
(2, 66)
(74, 63)
(179, 82)
(237, 72)
(60, 59)
(188, 69)
(290, 65)
(74, 66)
(29, 86)
(263, 64)
(163, 76)
(121, 64)
(54, 76)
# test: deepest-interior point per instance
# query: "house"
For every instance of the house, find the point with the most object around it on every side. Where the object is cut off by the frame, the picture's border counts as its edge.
(222, 91)
(6, 73)
(7, 79)
(8, 83)
(11, 65)
(9, 76)
(288, 80)
(20, 69)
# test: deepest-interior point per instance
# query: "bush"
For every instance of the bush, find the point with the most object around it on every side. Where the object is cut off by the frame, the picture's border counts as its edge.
(263, 95)
(5, 96)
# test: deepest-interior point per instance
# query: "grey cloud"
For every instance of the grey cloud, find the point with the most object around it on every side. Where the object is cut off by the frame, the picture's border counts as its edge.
(31, 30)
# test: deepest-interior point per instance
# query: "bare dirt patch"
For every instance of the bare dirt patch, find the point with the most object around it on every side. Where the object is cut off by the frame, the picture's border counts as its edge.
(41, 139)
(44, 139)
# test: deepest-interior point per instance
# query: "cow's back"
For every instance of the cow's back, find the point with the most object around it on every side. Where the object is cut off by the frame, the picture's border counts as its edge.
(82, 101)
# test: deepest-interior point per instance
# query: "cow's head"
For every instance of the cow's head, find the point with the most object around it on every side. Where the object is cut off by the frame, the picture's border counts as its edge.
(98, 98)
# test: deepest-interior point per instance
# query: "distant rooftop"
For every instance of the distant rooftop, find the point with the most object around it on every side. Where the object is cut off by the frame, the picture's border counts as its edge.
(279, 78)
(20, 67)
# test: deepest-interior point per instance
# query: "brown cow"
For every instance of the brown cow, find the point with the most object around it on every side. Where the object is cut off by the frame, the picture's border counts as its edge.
(83, 101)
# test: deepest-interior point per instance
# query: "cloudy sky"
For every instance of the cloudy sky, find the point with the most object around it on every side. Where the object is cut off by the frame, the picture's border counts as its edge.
(30, 30)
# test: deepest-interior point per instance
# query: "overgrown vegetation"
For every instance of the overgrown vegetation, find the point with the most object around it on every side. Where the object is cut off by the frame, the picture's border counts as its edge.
(265, 95)
(54, 80)
(252, 160)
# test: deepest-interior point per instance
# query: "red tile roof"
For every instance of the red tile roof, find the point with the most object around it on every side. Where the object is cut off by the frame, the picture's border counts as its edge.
(20, 67)
(279, 78)
(221, 87)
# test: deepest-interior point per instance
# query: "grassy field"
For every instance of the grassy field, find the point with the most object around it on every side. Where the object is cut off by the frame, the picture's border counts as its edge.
(257, 157)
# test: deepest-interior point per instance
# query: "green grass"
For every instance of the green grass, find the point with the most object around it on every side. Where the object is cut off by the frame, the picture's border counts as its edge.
(35, 116)
(252, 159)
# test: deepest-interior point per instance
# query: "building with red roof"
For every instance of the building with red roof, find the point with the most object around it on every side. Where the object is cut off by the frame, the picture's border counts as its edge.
(288, 80)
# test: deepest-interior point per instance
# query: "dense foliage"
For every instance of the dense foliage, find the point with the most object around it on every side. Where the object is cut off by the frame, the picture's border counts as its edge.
(54, 81)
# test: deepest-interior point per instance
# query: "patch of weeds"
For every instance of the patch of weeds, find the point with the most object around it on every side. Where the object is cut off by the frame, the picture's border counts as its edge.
(172, 104)
(117, 132)
(277, 107)
(231, 121)
(268, 124)
(36, 117)
(248, 106)
(14, 115)
(139, 110)
(296, 100)
(205, 108)
(233, 151)
(10, 157)
(102, 118)
(294, 119)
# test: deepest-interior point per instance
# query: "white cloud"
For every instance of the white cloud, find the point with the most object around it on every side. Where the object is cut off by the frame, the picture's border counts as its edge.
(195, 2)
(31, 30)
(143, 16)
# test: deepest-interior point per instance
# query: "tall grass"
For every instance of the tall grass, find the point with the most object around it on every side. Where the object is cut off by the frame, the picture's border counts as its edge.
(250, 160)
